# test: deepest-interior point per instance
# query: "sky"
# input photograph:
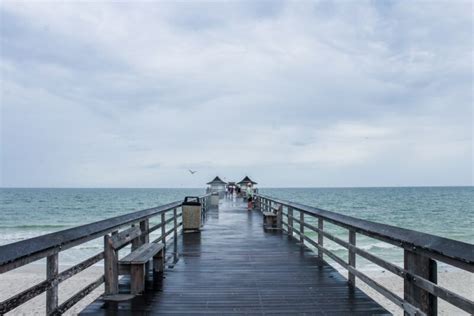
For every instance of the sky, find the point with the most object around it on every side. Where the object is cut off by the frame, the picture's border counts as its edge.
(291, 93)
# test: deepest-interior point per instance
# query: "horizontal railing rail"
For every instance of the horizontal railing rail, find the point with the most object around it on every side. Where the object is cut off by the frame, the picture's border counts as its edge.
(22, 252)
(421, 251)
(50, 245)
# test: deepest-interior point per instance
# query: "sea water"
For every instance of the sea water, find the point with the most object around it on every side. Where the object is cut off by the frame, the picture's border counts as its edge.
(442, 211)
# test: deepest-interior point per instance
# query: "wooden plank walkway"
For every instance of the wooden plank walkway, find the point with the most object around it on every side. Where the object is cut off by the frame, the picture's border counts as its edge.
(234, 267)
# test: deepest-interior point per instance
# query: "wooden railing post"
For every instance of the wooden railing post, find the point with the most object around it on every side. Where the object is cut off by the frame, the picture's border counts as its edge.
(280, 217)
(144, 238)
(290, 221)
(137, 242)
(163, 229)
(301, 227)
(144, 227)
(52, 269)
(352, 256)
(320, 237)
(110, 267)
(426, 268)
(175, 234)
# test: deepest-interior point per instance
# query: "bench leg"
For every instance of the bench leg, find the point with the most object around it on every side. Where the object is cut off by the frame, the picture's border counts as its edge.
(159, 261)
(268, 222)
(137, 272)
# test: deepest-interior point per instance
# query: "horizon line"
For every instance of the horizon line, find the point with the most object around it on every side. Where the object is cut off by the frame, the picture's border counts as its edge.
(269, 187)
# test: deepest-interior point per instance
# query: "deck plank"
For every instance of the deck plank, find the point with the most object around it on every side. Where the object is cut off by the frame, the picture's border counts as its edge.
(234, 267)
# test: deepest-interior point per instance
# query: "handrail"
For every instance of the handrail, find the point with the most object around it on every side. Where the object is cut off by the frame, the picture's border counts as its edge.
(456, 253)
(420, 252)
(50, 245)
(19, 253)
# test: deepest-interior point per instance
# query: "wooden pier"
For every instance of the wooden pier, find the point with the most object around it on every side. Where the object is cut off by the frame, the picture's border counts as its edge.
(235, 266)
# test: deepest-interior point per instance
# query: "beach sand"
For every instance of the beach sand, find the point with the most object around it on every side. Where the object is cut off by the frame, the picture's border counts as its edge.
(20, 279)
(458, 281)
(15, 281)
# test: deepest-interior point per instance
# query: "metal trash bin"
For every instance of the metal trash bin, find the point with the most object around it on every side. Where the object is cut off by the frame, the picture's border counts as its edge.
(215, 199)
(192, 209)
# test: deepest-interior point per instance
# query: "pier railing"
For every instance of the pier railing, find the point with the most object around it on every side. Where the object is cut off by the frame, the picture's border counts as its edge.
(49, 246)
(421, 253)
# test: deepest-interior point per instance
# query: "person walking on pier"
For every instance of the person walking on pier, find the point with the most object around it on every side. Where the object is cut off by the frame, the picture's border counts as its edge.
(249, 196)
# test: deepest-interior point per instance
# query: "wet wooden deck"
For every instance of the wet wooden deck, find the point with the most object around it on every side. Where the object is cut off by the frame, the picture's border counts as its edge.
(234, 267)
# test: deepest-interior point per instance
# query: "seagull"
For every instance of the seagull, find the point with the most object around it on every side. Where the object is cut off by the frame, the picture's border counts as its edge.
(191, 171)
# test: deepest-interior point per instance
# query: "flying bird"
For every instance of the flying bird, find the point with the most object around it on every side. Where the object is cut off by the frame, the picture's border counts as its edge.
(192, 171)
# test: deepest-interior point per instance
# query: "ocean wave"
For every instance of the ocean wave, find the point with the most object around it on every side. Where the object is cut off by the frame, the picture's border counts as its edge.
(375, 246)
(379, 245)
(36, 226)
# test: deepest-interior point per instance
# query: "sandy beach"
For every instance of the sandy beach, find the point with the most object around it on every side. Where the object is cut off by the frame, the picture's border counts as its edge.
(458, 281)
(20, 279)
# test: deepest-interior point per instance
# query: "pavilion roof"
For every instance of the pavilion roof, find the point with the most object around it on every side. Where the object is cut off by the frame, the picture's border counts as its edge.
(247, 180)
(217, 180)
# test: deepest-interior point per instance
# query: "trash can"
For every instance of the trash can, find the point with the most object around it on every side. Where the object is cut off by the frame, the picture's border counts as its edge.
(191, 214)
(215, 199)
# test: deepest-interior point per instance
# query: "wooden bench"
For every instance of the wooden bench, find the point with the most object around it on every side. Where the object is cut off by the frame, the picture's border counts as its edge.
(136, 264)
(270, 219)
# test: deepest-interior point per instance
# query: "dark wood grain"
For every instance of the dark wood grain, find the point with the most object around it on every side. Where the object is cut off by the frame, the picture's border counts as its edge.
(426, 268)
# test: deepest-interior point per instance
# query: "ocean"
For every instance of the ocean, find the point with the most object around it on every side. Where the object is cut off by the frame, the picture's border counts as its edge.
(443, 211)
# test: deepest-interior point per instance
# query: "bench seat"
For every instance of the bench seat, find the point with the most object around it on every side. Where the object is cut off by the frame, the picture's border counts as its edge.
(136, 264)
(269, 214)
(269, 220)
(143, 254)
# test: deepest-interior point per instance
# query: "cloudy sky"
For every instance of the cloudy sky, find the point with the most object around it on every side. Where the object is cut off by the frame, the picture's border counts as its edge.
(305, 93)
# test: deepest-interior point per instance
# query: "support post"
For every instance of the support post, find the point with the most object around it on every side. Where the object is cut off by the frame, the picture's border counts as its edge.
(52, 269)
(163, 229)
(320, 237)
(136, 242)
(302, 228)
(290, 221)
(110, 267)
(144, 238)
(175, 234)
(426, 268)
(144, 227)
(280, 217)
(352, 256)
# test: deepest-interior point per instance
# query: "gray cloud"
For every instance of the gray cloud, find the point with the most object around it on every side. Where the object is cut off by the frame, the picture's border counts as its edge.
(292, 93)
